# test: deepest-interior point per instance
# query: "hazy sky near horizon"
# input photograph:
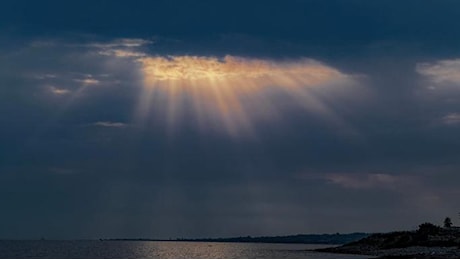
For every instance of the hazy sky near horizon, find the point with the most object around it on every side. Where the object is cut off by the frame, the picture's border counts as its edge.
(225, 118)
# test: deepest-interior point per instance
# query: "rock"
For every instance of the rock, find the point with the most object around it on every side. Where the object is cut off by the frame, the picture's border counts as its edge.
(427, 242)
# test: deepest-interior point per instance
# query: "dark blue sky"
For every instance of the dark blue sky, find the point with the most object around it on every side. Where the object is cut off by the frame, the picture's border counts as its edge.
(211, 118)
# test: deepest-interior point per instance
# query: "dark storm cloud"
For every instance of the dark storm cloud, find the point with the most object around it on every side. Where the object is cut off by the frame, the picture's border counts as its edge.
(75, 163)
(328, 21)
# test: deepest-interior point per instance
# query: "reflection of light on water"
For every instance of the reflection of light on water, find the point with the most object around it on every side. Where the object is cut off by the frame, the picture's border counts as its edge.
(85, 249)
(218, 92)
(207, 250)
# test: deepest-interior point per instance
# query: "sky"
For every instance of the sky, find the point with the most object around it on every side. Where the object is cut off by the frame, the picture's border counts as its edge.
(181, 119)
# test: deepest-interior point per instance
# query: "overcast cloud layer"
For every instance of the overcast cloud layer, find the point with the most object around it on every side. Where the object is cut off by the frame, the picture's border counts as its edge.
(161, 119)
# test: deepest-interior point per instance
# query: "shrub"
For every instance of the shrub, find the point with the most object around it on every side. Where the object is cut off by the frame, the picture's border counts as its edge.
(428, 229)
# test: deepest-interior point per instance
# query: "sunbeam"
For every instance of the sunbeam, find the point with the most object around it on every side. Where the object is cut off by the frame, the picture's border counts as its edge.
(219, 90)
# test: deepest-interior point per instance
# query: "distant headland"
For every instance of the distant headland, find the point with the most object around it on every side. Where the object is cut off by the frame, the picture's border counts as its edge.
(428, 241)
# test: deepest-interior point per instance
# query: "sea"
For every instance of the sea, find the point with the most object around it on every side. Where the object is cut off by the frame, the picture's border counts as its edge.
(154, 249)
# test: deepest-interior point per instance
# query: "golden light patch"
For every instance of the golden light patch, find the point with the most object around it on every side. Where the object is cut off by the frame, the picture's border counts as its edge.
(230, 68)
(220, 88)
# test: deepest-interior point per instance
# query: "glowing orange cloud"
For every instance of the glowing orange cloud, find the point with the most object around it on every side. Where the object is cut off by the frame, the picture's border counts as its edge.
(195, 68)
(218, 86)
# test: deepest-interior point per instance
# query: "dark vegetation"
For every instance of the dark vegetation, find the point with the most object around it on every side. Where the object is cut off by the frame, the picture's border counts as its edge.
(447, 222)
(426, 236)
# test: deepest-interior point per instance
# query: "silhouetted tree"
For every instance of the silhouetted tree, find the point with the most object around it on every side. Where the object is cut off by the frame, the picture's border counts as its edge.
(447, 222)
(428, 229)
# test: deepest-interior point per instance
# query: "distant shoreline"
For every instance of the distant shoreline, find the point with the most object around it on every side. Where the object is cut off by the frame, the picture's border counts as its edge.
(331, 239)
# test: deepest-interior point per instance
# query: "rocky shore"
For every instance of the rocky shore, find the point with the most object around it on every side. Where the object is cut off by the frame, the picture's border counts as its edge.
(429, 241)
(408, 252)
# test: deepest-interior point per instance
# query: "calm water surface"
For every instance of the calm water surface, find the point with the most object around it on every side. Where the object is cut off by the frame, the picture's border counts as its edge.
(147, 249)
